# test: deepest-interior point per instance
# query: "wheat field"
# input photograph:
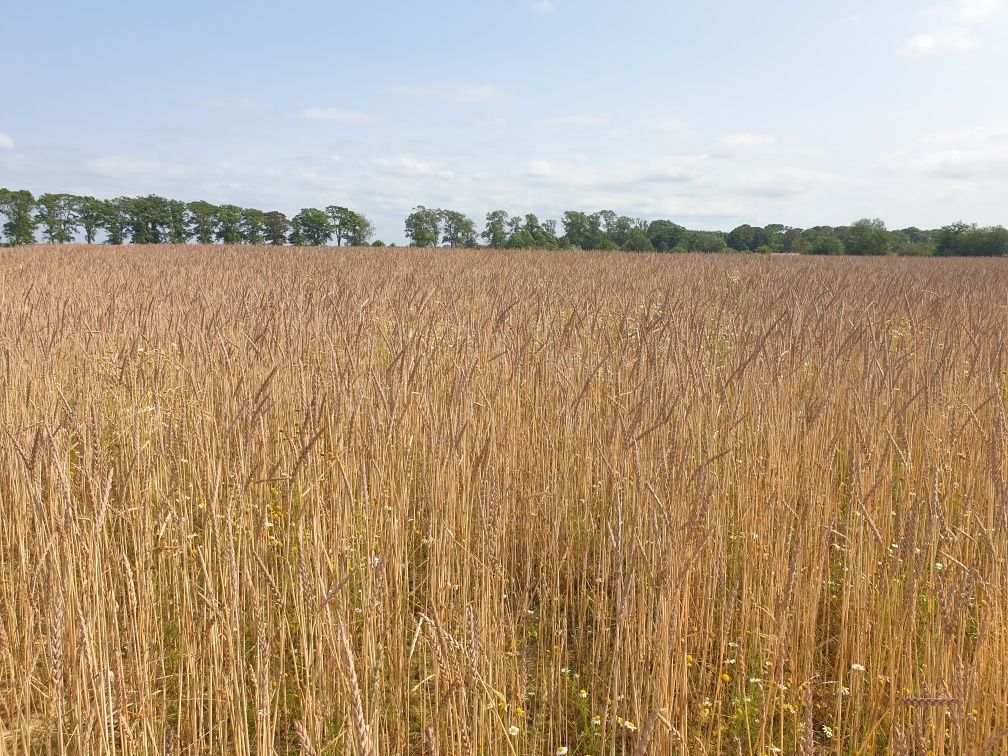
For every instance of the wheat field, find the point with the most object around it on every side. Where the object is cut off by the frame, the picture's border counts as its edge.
(325, 501)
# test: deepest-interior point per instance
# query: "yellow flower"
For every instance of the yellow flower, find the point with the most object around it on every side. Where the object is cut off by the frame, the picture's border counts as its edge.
(726, 677)
(583, 693)
(561, 751)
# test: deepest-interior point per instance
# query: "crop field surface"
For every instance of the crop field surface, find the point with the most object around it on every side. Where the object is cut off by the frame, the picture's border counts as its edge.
(389, 501)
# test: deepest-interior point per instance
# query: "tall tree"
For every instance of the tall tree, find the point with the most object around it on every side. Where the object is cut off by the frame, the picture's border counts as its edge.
(423, 226)
(179, 226)
(55, 212)
(638, 241)
(359, 231)
(458, 230)
(149, 219)
(349, 226)
(743, 238)
(665, 235)
(229, 219)
(583, 230)
(253, 225)
(88, 214)
(617, 228)
(496, 233)
(314, 226)
(867, 236)
(203, 216)
(20, 224)
(115, 219)
(276, 228)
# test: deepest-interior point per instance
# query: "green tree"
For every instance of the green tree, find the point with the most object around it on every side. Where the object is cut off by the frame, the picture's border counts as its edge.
(583, 230)
(824, 243)
(617, 228)
(638, 241)
(115, 219)
(314, 226)
(423, 226)
(148, 219)
(792, 239)
(773, 236)
(457, 230)
(665, 235)
(253, 225)
(349, 226)
(703, 241)
(88, 214)
(55, 212)
(543, 233)
(968, 240)
(867, 236)
(229, 224)
(179, 226)
(203, 217)
(496, 233)
(520, 239)
(20, 223)
(276, 228)
(742, 238)
(358, 230)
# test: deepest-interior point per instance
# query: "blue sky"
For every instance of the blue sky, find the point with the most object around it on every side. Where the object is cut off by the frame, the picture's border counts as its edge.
(709, 114)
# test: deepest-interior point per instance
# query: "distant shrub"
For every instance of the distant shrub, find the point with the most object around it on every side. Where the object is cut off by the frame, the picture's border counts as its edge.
(969, 240)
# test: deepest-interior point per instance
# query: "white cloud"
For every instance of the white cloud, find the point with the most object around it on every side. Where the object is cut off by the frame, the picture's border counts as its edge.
(456, 92)
(953, 26)
(542, 169)
(735, 144)
(6, 143)
(407, 166)
(542, 6)
(977, 11)
(950, 41)
(977, 136)
(335, 115)
(965, 165)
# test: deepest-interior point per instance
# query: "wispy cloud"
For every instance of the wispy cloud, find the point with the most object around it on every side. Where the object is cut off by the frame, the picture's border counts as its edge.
(966, 165)
(456, 92)
(977, 11)
(980, 135)
(541, 169)
(336, 115)
(6, 143)
(542, 6)
(408, 166)
(735, 144)
(949, 41)
(953, 26)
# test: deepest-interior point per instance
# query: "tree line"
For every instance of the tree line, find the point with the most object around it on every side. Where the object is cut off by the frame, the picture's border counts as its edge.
(606, 230)
(61, 218)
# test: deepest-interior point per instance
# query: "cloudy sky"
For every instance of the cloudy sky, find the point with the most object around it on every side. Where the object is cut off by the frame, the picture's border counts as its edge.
(710, 114)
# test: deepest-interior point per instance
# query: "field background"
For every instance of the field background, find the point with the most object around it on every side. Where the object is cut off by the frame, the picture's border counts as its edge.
(427, 501)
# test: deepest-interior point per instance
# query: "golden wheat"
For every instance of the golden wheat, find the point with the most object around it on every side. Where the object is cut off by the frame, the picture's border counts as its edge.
(397, 501)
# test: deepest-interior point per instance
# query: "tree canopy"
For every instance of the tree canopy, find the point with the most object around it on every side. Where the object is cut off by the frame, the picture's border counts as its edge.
(151, 219)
